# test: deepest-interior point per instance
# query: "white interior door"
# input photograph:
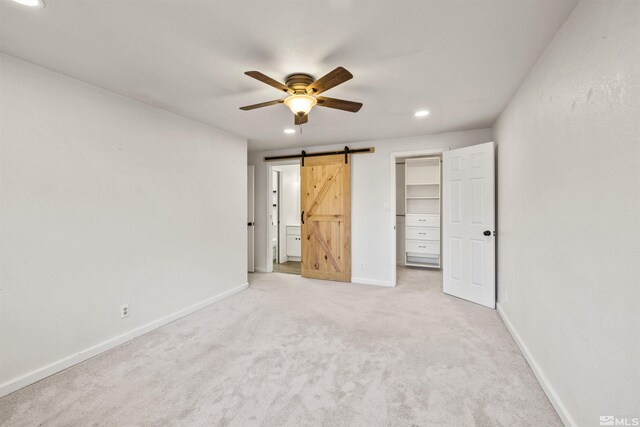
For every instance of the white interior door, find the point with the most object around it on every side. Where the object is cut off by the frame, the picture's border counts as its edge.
(250, 218)
(468, 224)
(275, 215)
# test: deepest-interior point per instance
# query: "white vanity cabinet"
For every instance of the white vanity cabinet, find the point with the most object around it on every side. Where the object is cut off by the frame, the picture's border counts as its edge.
(293, 241)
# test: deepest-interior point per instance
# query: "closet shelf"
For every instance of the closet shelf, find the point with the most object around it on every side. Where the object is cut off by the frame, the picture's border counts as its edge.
(422, 209)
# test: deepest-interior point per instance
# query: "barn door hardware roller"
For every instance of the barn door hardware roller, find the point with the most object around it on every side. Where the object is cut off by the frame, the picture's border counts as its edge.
(304, 154)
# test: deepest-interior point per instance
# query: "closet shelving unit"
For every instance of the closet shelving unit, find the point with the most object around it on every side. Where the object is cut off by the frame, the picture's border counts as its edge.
(422, 212)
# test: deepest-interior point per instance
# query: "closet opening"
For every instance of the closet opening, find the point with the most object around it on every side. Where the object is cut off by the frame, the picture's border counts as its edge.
(417, 199)
(284, 217)
(443, 214)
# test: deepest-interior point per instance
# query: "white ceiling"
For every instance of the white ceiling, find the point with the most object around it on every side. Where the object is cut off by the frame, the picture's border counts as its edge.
(462, 60)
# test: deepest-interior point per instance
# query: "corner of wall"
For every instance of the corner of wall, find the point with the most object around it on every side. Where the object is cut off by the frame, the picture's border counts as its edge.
(546, 385)
(73, 359)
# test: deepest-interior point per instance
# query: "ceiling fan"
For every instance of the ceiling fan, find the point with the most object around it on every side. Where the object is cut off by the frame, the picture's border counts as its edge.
(303, 90)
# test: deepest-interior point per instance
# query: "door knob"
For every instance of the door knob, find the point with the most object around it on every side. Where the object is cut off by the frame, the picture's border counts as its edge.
(487, 233)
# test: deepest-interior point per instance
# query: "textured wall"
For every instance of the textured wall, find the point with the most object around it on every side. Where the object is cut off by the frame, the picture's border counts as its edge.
(106, 201)
(569, 212)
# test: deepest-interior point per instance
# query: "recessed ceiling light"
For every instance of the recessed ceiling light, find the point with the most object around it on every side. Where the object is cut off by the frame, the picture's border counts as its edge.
(421, 113)
(289, 131)
(36, 4)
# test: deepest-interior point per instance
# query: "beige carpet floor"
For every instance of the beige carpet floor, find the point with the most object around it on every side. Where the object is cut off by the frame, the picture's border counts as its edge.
(297, 352)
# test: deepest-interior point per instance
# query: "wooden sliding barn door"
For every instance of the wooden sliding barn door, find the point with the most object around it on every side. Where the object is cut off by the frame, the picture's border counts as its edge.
(325, 193)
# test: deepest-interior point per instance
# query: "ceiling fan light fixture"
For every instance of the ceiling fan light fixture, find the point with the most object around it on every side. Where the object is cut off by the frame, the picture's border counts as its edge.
(289, 131)
(300, 105)
(303, 89)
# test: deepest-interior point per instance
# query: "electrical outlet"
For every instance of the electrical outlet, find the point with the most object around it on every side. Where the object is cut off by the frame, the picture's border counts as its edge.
(124, 311)
(362, 266)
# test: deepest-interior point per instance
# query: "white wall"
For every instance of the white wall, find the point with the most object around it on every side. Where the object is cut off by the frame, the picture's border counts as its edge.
(290, 195)
(106, 201)
(569, 213)
(400, 187)
(372, 239)
(400, 212)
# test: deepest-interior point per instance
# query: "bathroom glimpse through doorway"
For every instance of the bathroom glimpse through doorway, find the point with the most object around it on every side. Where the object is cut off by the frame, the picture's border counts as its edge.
(284, 216)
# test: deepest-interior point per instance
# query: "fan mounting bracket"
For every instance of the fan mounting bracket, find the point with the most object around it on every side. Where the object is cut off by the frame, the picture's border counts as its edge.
(299, 81)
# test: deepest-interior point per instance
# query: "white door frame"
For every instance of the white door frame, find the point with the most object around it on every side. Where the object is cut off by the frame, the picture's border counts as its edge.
(251, 218)
(277, 174)
(269, 245)
(392, 201)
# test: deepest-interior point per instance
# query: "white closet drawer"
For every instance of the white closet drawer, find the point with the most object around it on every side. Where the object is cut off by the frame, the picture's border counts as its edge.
(422, 233)
(423, 220)
(422, 247)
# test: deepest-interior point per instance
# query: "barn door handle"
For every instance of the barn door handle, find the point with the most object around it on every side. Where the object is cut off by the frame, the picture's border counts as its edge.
(302, 217)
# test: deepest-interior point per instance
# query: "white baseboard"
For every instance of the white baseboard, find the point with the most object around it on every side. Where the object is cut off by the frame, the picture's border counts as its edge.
(261, 270)
(551, 393)
(41, 373)
(374, 282)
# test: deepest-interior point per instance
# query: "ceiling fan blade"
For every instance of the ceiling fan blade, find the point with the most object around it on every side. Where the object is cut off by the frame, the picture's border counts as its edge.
(301, 120)
(333, 79)
(262, 104)
(268, 80)
(339, 104)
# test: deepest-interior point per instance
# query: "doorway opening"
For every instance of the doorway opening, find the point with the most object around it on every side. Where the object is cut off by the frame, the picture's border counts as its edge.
(284, 216)
(275, 214)
(418, 220)
(449, 221)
